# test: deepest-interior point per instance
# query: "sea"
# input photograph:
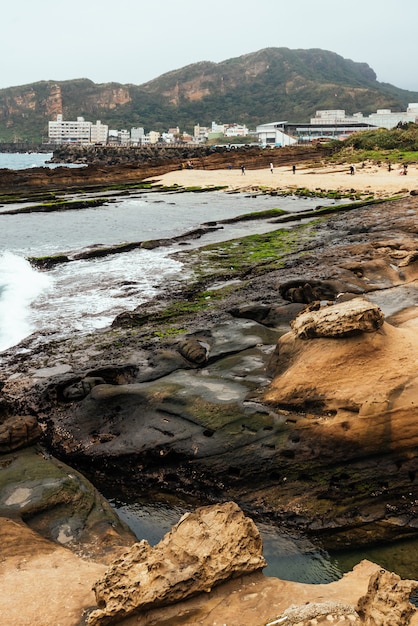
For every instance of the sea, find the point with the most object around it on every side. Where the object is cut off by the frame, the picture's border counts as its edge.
(84, 295)
(81, 296)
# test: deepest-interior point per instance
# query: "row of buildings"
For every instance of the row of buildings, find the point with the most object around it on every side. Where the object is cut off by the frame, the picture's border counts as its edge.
(82, 132)
(326, 125)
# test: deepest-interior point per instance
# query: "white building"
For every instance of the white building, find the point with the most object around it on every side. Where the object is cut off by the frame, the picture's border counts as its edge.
(217, 128)
(78, 131)
(200, 133)
(329, 116)
(168, 137)
(273, 135)
(236, 130)
(153, 136)
(68, 131)
(137, 136)
(383, 118)
(99, 132)
(124, 137)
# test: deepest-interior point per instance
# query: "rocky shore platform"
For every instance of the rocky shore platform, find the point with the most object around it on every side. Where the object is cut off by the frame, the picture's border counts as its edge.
(279, 376)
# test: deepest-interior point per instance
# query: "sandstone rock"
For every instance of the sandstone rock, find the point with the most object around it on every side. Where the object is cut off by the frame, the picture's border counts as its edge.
(211, 545)
(18, 432)
(42, 583)
(341, 320)
(59, 503)
(194, 350)
(387, 600)
(372, 376)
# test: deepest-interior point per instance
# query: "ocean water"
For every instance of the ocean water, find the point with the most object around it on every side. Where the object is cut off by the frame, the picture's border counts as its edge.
(84, 295)
(26, 160)
(288, 557)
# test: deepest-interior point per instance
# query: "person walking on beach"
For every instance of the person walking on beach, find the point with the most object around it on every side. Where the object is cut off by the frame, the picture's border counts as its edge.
(294, 169)
(352, 170)
(271, 168)
(242, 170)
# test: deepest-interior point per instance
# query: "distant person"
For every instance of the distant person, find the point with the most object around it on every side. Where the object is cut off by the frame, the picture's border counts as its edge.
(389, 167)
(352, 170)
(230, 166)
(405, 169)
(271, 168)
(294, 169)
(242, 170)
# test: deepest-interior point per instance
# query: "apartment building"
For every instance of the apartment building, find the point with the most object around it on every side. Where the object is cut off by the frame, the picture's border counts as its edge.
(76, 131)
(99, 133)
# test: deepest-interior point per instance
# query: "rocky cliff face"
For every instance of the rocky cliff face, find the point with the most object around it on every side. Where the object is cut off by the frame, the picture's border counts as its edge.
(236, 90)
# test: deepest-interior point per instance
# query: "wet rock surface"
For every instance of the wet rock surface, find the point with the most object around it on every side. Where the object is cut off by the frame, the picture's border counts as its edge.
(58, 503)
(197, 414)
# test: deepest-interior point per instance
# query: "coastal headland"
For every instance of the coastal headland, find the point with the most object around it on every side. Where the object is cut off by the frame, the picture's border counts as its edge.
(281, 375)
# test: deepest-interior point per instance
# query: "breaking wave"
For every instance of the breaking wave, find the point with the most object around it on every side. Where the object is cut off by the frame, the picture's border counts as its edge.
(20, 285)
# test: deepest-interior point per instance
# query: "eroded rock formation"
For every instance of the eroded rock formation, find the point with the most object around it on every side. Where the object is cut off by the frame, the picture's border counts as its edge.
(368, 373)
(387, 600)
(348, 318)
(205, 548)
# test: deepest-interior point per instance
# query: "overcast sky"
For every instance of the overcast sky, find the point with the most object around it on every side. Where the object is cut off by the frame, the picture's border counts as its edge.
(133, 41)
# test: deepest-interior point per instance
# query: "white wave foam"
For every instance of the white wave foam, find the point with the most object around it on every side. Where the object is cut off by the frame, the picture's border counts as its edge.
(20, 285)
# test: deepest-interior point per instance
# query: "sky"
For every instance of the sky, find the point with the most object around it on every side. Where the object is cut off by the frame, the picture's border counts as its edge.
(134, 41)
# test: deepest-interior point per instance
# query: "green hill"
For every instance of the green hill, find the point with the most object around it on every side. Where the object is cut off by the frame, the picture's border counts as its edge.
(269, 85)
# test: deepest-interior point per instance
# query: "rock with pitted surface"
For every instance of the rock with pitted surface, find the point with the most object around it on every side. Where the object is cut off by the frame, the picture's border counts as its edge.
(339, 320)
(387, 601)
(209, 546)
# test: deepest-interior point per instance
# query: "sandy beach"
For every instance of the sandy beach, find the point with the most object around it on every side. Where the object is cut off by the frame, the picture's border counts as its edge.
(370, 179)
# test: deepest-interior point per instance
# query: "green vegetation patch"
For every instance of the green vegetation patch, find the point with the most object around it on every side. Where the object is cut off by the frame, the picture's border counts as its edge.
(24, 197)
(256, 215)
(235, 257)
(403, 138)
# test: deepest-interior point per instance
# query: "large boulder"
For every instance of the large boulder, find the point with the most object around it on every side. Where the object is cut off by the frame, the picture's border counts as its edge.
(59, 503)
(341, 320)
(204, 548)
(387, 600)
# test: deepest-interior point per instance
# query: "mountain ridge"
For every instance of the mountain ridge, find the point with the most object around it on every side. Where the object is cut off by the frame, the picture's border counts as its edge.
(261, 86)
